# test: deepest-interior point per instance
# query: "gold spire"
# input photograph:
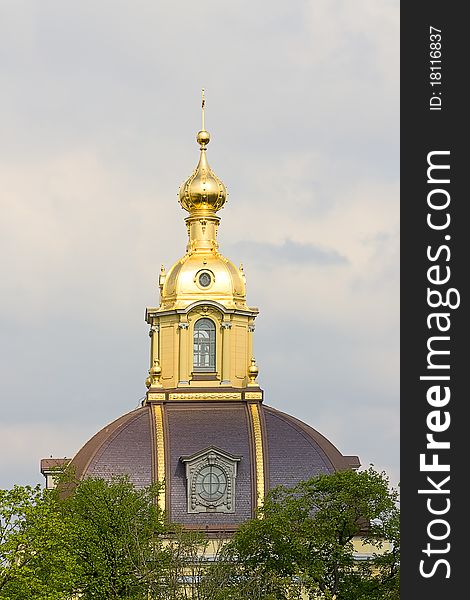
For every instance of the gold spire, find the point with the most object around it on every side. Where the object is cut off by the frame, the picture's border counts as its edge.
(202, 285)
(203, 191)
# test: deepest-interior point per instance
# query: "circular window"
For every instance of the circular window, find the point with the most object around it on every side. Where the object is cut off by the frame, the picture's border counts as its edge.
(211, 483)
(204, 279)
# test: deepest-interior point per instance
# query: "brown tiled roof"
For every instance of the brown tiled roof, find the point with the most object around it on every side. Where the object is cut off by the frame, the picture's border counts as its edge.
(332, 457)
(293, 451)
(192, 427)
(121, 447)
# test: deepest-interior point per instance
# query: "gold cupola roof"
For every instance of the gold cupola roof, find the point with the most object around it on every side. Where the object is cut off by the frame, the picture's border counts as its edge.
(203, 191)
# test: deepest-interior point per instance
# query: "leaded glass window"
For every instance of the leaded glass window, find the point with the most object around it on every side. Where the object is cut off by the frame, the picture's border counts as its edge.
(211, 483)
(204, 345)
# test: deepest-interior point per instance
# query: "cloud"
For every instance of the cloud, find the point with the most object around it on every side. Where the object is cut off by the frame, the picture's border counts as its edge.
(289, 252)
(18, 464)
(100, 106)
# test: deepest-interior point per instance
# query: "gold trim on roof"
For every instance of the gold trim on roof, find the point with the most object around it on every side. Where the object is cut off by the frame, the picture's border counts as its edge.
(160, 447)
(253, 395)
(153, 397)
(259, 463)
(206, 396)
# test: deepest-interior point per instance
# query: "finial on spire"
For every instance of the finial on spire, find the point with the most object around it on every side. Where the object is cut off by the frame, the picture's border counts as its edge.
(202, 107)
(203, 137)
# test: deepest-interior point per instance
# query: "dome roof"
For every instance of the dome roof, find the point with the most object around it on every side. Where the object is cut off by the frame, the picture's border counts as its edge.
(211, 274)
(203, 428)
(292, 451)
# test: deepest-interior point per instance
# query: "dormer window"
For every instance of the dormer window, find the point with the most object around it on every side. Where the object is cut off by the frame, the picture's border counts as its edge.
(211, 475)
(204, 346)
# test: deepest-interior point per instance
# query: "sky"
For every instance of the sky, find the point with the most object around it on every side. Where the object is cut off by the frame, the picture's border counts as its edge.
(99, 109)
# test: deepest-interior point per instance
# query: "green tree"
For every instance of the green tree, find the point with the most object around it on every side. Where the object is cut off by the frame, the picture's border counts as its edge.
(33, 562)
(303, 542)
(95, 539)
(107, 540)
(117, 538)
(124, 548)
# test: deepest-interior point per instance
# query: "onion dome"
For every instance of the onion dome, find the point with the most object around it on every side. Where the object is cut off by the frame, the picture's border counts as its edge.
(203, 191)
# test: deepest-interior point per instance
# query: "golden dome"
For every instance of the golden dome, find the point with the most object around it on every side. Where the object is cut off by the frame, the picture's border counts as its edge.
(203, 191)
(208, 276)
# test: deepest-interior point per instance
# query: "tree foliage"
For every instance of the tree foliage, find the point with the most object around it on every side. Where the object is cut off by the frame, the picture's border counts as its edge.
(303, 541)
(33, 560)
(103, 540)
(98, 540)
(116, 537)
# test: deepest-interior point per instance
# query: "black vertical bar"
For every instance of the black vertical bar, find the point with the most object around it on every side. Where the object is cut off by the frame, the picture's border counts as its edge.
(433, 119)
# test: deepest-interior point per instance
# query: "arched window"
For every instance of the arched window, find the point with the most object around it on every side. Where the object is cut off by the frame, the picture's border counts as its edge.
(204, 345)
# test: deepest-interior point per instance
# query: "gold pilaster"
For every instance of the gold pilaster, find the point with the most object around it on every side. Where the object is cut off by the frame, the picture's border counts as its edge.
(154, 334)
(259, 461)
(183, 354)
(226, 358)
(251, 329)
(160, 448)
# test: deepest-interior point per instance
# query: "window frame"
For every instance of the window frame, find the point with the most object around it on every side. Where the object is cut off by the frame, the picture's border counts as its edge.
(198, 351)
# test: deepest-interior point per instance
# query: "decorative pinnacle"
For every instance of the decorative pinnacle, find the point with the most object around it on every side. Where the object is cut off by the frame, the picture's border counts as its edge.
(253, 372)
(155, 372)
(162, 277)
